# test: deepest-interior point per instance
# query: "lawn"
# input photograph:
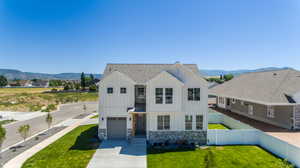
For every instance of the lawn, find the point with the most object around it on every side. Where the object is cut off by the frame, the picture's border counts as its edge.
(217, 126)
(95, 116)
(215, 157)
(3, 122)
(36, 101)
(74, 150)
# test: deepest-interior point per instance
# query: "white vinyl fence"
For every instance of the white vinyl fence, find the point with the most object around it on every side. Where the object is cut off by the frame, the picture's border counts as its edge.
(243, 134)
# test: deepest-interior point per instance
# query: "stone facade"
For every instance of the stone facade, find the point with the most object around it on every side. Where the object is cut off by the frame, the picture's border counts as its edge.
(197, 137)
(129, 133)
(102, 134)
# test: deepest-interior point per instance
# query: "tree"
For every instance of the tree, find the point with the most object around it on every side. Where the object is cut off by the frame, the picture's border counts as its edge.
(228, 77)
(82, 81)
(49, 119)
(24, 131)
(3, 81)
(2, 137)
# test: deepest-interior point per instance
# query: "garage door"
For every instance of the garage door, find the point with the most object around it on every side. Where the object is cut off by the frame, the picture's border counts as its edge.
(116, 128)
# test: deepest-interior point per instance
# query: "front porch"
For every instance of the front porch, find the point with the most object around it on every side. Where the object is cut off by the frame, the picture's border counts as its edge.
(138, 124)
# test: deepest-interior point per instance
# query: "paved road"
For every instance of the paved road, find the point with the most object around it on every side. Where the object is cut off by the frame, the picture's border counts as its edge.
(38, 124)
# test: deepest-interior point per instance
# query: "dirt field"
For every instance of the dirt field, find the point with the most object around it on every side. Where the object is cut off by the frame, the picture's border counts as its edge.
(6, 91)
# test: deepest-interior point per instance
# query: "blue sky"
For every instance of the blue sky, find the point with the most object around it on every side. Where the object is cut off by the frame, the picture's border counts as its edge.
(83, 35)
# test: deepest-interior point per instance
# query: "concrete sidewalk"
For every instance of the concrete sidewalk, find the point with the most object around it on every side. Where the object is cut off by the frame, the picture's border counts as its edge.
(120, 154)
(18, 161)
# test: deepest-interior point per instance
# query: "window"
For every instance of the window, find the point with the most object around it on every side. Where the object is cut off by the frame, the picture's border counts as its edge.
(110, 90)
(123, 90)
(141, 91)
(169, 95)
(199, 122)
(194, 94)
(250, 109)
(221, 100)
(270, 112)
(158, 95)
(163, 122)
(188, 122)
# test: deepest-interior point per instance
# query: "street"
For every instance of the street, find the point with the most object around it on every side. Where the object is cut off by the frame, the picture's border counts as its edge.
(39, 124)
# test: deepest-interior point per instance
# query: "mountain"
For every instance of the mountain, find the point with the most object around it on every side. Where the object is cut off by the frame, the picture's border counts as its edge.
(214, 72)
(16, 74)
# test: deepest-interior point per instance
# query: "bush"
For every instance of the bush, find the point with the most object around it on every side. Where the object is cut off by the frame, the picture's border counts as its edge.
(53, 90)
(93, 88)
(50, 107)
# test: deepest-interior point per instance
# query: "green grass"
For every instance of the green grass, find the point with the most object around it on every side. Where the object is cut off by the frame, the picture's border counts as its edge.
(217, 126)
(3, 122)
(215, 157)
(95, 116)
(74, 150)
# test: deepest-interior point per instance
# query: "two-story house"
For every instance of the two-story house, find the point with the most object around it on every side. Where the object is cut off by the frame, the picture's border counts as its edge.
(159, 101)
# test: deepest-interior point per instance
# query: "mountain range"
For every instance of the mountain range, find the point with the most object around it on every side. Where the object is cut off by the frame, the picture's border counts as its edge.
(17, 74)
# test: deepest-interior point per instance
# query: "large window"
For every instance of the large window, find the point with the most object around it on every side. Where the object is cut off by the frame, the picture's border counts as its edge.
(159, 95)
(188, 122)
(163, 122)
(199, 122)
(194, 94)
(123, 90)
(169, 95)
(110, 90)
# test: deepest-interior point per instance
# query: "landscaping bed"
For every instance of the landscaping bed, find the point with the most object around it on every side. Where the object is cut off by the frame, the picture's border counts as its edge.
(73, 150)
(214, 157)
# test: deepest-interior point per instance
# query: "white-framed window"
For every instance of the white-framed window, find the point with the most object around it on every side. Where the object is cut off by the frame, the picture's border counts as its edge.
(250, 109)
(199, 122)
(221, 100)
(188, 122)
(169, 95)
(193, 94)
(270, 112)
(233, 101)
(110, 90)
(123, 90)
(159, 95)
(163, 122)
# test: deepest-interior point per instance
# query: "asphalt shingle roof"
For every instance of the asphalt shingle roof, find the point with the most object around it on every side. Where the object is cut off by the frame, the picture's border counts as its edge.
(271, 86)
(141, 73)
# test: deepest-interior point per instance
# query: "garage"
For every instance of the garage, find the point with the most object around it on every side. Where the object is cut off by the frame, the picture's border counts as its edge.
(116, 128)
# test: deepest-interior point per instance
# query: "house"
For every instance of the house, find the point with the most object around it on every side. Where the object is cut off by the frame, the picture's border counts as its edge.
(162, 102)
(272, 97)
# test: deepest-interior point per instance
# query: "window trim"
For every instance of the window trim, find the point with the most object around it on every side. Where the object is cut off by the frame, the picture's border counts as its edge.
(165, 122)
(192, 94)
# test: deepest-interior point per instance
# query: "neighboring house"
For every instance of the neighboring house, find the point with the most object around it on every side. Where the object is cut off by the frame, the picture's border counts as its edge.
(40, 83)
(272, 97)
(164, 102)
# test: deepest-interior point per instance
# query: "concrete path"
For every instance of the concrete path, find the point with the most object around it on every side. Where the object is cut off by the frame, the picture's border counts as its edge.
(38, 124)
(120, 154)
(18, 161)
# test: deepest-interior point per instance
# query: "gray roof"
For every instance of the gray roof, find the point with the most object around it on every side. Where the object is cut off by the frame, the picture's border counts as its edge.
(141, 73)
(270, 87)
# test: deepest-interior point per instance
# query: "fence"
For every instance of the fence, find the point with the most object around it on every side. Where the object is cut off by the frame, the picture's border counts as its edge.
(218, 118)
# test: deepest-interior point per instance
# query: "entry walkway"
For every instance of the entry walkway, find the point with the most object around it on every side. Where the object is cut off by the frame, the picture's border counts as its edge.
(120, 154)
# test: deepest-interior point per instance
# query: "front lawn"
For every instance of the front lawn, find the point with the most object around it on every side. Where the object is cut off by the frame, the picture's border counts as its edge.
(217, 126)
(215, 157)
(74, 150)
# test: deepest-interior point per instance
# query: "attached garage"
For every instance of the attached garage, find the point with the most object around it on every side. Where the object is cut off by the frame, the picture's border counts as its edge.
(116, 128)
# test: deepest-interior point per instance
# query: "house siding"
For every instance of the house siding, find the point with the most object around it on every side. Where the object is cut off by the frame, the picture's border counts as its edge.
(282, 114)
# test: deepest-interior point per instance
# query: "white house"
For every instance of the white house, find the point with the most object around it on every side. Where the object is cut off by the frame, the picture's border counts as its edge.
(159, 101)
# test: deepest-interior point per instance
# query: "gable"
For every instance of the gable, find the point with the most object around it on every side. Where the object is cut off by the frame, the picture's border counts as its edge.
(165, 76)
(116, 76)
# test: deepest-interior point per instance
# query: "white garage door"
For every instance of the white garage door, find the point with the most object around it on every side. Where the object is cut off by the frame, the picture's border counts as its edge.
(116, 128)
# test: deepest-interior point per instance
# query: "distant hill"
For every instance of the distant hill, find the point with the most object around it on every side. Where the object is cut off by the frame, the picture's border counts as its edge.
(214, 72)
(16, 74)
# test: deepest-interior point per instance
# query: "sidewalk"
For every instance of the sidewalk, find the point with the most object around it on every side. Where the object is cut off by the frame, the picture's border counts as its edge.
(18, 161)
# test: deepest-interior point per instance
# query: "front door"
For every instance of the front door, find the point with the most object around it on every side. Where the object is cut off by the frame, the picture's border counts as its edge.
(140, 127)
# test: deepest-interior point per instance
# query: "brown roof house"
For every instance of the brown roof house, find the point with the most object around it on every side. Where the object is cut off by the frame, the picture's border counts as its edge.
(272, 97)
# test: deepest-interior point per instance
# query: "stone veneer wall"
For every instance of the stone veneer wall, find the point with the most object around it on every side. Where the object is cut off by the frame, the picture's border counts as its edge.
(102, 134)
(197, 137)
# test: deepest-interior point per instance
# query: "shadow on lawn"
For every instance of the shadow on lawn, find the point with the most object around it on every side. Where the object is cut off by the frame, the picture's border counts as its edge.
(87, 140)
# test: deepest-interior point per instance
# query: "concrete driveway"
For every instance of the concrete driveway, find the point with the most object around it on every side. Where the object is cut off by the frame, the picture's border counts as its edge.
(120, 154)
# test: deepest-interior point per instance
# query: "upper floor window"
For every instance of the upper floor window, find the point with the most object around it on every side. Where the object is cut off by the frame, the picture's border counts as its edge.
(169, 95)
(110, 90)
(123, 90)
(199, 122)
(188, 122)
(158, 95)
(163, 122)
(194, 94)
